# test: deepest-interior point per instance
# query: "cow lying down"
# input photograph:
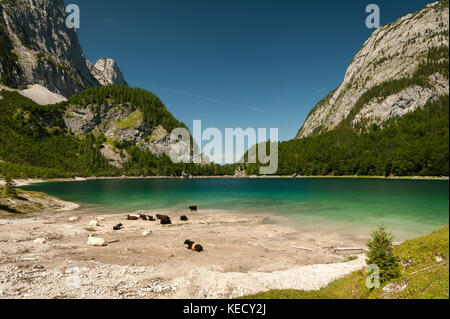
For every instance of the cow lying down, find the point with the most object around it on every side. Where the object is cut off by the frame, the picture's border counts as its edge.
(165, 220)
(193, 246)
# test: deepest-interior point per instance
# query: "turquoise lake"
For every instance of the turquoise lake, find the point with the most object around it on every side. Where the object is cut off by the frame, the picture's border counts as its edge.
(409, 208)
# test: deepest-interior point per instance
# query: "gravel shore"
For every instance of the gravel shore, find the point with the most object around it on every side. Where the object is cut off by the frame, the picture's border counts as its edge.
(244, 254)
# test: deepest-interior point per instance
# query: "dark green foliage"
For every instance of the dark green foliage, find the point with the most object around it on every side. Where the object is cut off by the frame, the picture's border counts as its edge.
(9, 189)
(415, 144)
(34, 142)
(143, 163)
(381, 254)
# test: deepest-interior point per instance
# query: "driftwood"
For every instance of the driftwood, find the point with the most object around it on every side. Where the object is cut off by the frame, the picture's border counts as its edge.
(302, 248)
(443, 264)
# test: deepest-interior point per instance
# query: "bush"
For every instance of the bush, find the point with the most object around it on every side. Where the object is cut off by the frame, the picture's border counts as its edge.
(8, 189)
(381, 254)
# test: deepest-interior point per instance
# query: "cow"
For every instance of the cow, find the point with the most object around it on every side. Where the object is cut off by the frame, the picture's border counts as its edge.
(74, 219)
(193, 246)
(94, 223)
(133, 217)
(184, 218)
(193, 208)
(165, 220)
(118, 227)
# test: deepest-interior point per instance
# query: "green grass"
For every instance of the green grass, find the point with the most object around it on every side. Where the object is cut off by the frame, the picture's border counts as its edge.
(423, 277)
(131, 121)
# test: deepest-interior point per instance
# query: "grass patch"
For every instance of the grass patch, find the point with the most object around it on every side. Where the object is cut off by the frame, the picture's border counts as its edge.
(131, 121)
(424, 275)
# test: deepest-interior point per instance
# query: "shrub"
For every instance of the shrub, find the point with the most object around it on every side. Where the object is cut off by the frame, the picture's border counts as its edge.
(8, 189)
(381, 254)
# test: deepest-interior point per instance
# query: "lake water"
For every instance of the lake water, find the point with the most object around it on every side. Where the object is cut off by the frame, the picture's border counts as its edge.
(409, 208)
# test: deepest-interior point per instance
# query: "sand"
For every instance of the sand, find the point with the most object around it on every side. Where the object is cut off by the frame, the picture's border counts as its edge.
(244, 254)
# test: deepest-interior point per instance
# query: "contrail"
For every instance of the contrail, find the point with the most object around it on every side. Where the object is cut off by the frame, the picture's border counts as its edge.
(207, 98)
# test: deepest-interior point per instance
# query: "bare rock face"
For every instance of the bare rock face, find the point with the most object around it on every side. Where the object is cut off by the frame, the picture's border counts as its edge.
(124, 123)
(116, 157)
(393, 52)
(107, 71)
(40, 49)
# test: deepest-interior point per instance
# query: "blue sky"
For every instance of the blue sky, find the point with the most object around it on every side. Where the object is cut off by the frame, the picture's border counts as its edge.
(244, 63)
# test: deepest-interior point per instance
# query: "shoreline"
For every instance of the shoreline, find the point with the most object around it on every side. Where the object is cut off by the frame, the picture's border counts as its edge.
(243, 255)
(31, 181)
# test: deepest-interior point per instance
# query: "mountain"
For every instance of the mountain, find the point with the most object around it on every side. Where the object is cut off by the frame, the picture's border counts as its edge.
(36, 48)
(400, 68)
(62, 116)
(125, 116)
(104, 131)
(390, 116)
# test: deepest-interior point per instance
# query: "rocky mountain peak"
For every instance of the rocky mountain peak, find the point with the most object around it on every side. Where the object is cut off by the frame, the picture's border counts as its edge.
(107, 71)
(37, 48)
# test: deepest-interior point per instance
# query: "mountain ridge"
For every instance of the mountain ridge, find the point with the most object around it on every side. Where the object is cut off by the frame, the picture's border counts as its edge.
(400, 68)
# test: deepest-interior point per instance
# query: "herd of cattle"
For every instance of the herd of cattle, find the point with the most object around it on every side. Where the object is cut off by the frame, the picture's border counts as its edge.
(164, 220)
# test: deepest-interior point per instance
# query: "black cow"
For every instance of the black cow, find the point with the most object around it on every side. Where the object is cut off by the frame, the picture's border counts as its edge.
(193, 246)
(184, 218)
(165, 220)
(193, 208)
(118, 227)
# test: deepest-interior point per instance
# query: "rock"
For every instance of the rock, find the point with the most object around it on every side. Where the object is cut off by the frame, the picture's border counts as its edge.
(393, 52)
(106, 71)
(96, 242)
(116, 158)
(394, 288)
(42, 95)
(48, 53)
(40, 241)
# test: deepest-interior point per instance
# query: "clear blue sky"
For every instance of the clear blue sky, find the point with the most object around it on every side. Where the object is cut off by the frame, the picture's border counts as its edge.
(234, 63)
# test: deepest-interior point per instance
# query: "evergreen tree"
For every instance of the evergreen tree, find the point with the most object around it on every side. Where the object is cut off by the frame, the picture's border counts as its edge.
(9, 189)
(381, 254)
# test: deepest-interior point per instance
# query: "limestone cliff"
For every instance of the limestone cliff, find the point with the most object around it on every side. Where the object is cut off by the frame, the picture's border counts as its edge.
(107, 71)
(400, 68)
(124, 124)
(38, 48)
